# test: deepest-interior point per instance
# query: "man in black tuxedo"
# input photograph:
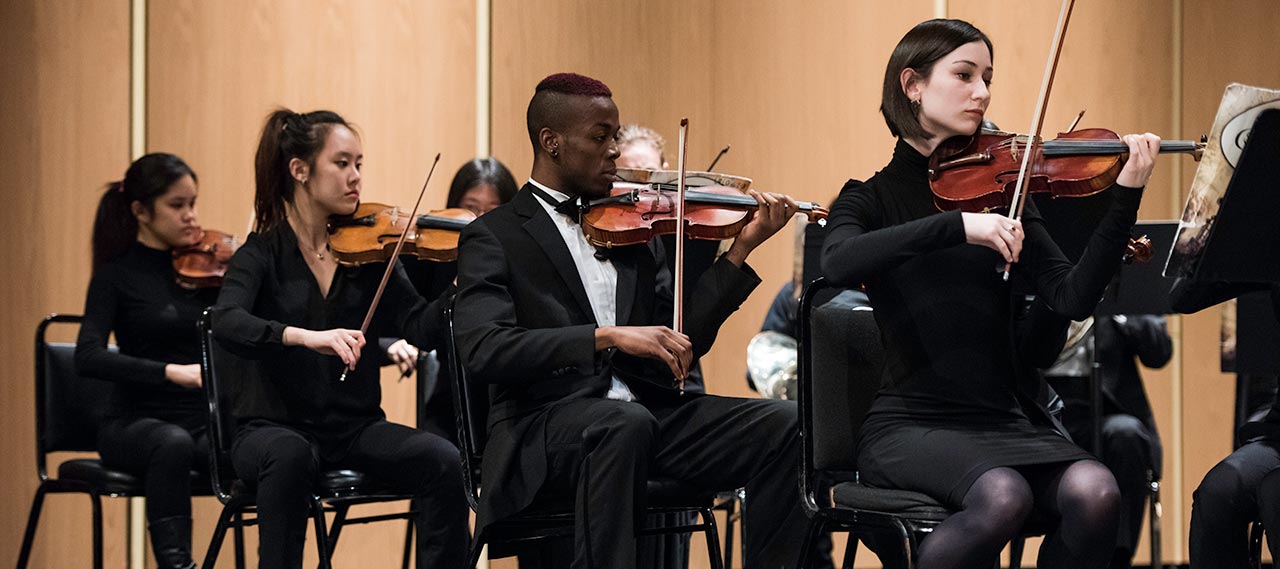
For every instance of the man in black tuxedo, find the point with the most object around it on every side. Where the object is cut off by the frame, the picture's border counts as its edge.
(582, 366)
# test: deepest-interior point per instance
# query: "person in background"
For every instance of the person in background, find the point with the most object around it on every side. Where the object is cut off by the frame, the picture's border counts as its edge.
(155, 426)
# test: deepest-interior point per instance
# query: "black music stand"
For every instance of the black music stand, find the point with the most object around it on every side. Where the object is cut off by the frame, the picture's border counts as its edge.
(1242, 246)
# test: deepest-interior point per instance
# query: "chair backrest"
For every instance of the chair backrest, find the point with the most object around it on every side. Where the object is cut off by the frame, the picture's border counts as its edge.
(471, 406)
(69, 407)
(839, 373)
(215, 361)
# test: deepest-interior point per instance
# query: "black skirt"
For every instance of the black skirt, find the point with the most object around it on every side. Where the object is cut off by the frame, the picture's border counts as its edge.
(943, 458)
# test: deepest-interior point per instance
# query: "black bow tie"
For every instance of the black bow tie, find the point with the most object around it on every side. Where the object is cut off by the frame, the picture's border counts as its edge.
(567, 207)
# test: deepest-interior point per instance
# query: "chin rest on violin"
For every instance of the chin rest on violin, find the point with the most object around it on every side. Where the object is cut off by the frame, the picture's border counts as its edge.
(369, 235)
(204, 264)
(978, 173)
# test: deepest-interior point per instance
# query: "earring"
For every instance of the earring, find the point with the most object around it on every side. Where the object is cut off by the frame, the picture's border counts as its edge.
(555, 153)
(915, 105)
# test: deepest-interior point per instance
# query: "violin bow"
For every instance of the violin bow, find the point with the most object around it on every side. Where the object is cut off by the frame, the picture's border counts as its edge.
(677, 315)
(391, 262)
(1037, 118)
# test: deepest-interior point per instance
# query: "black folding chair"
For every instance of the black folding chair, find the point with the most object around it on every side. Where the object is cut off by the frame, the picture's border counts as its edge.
(69, 408)
(665, 496)
(336, 490)
(839, 374)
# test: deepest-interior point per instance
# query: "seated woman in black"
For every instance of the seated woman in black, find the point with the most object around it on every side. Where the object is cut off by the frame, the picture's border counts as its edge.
(156, 418)
(949, 420)
(287, 304)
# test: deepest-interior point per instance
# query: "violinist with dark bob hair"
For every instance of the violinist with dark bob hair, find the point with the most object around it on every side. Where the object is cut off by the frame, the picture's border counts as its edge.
(287, 304)
(156, 420)
(950, 420)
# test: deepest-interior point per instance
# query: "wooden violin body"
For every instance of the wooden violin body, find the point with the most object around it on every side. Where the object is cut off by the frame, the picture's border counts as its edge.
(369, 235)
(978, 174)
(636, 213)
(204, 264)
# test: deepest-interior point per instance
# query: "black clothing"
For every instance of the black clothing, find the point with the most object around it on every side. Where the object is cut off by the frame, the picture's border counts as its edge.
(297, 419)
(1130, 442)
(268, 287)
(951, 405)
(154, 320)
(162, 454)
(1245, 486)
(285, 462)
(526, 327)
(153, 428)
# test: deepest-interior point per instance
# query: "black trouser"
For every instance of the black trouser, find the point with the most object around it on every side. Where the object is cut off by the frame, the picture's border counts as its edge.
(603, 452)
(1243, 488)
(283, 464)
(162, 454)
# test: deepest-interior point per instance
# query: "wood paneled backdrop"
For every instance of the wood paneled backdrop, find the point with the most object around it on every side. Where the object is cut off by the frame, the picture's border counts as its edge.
(793, 87)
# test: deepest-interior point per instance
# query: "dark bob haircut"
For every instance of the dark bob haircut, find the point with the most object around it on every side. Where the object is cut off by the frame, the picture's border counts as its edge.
(923, 46)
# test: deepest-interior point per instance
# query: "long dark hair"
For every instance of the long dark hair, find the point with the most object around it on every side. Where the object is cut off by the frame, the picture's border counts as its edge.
(114, 226)
(923, 46)
(287, 135)
(482, 171)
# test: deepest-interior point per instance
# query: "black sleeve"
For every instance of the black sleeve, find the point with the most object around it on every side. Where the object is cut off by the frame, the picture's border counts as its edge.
(857, 247)
(92, 356)
(406, 314)
(235, 326)
(491, 346)
(728, 285)
(1074, 290)
(1147, 337)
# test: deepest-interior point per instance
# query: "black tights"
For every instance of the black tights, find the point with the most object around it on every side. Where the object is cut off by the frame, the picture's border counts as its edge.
(1081, 497)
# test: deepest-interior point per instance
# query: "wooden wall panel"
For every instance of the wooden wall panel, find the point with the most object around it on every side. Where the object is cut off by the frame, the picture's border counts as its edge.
(65, 104)
(402, 71)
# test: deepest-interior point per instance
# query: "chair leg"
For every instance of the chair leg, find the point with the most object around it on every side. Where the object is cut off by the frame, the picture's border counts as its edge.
(850, 551)
(1255, 546)
(713, 539)
(729, 510)
(408, 541)
(96, 500)
(1016, 547)
(33, 520)
(219, 533)
(238, 529)
(335, 529)
(816, 526)
(1157, 513)
(322, 540)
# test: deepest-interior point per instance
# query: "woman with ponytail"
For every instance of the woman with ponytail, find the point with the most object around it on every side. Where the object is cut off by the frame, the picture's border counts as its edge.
(288, 305)
(156, 418)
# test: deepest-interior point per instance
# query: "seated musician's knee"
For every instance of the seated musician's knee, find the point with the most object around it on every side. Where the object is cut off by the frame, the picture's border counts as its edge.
(1089, 489)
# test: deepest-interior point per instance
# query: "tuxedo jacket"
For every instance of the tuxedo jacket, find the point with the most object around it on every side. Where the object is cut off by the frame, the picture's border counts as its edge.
(525, 329)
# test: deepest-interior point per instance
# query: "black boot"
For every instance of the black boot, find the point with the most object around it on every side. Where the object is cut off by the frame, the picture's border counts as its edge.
(171, 542)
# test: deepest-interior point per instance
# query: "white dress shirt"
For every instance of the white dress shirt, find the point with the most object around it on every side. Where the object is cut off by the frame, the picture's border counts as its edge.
(599, 277)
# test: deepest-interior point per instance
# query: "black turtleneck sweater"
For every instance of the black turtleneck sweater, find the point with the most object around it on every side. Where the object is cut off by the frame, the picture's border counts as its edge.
(268, 287)
(943, 310)
(154, 320)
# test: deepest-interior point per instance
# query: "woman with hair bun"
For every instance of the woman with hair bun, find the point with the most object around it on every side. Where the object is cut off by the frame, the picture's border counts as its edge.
(155, 424)
(288, 305)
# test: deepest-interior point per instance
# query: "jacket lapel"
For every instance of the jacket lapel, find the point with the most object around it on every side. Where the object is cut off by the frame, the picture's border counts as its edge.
(625, 264)
(544, 232)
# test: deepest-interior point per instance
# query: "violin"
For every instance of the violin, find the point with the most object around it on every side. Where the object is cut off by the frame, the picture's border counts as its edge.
(369, 235)
(978, 174)
(1138, 250)
(204, 264)
(635, 213)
